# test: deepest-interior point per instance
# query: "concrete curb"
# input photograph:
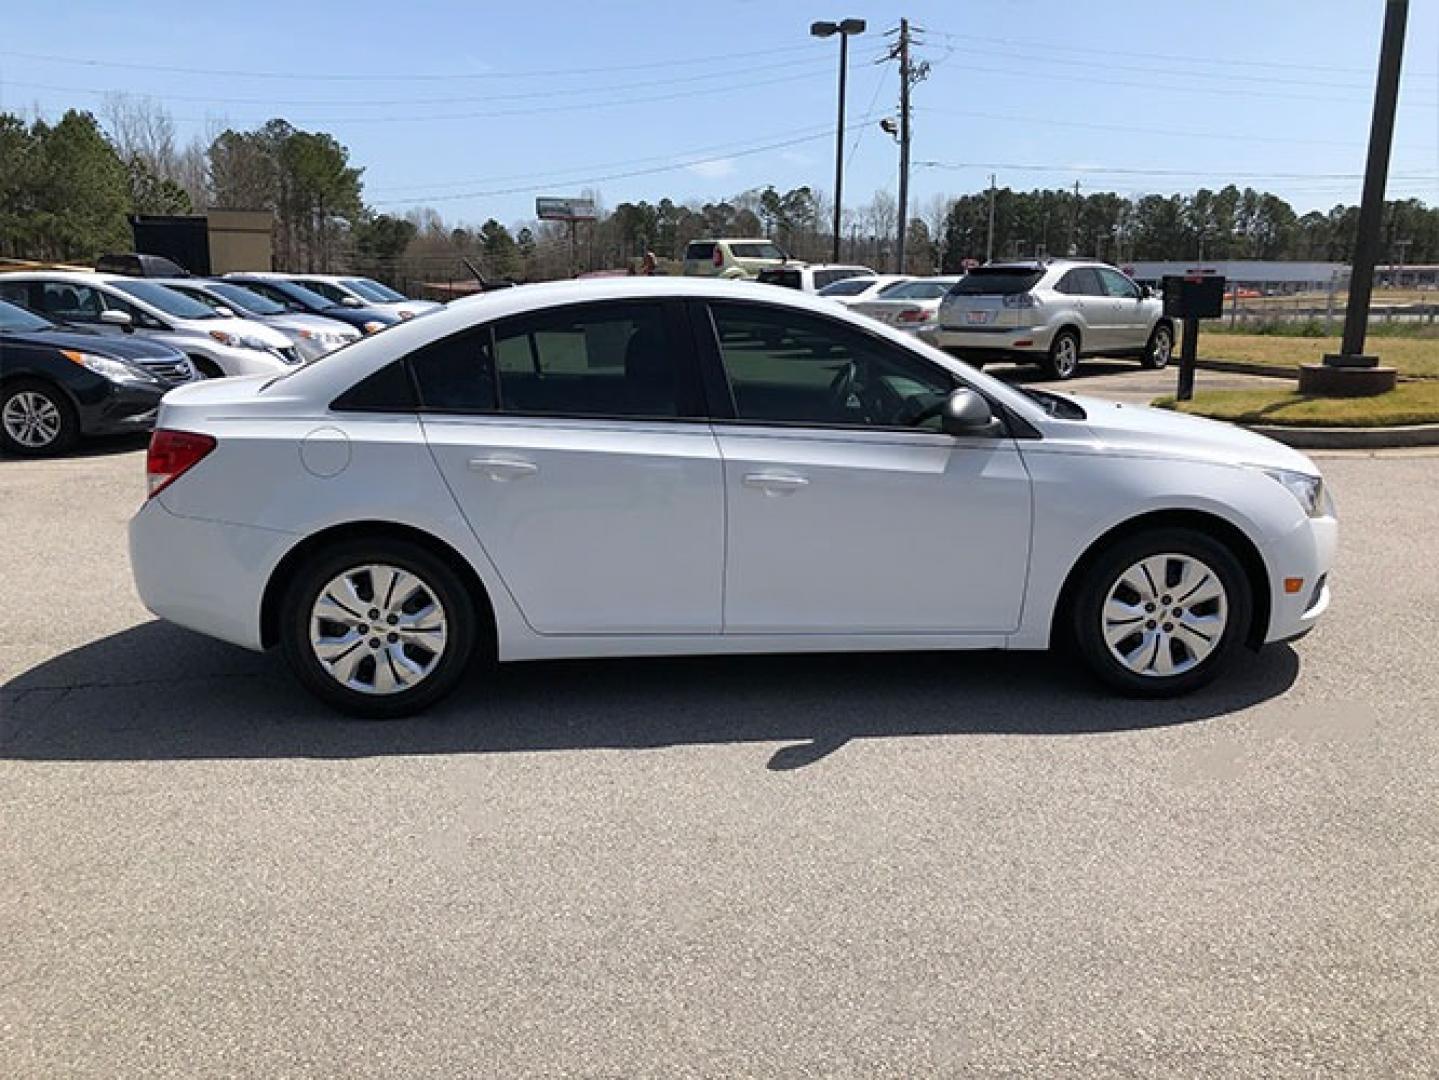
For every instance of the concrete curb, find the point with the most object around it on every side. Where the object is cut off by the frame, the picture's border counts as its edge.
(1237, 367)
(1349, 438)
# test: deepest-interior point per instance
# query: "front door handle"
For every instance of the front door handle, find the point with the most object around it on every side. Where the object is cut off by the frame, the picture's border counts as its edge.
(775, 483)
(504, 469)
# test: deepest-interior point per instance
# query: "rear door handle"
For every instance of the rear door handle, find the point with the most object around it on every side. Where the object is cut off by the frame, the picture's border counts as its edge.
(504, 469)
(775, 483)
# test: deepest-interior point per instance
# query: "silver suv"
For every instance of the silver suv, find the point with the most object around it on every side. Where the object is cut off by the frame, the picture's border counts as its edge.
(1051, 313)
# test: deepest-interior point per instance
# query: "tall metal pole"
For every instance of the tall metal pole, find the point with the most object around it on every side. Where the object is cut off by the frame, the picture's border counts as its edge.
(839, 144)
(989, 239)
(903, 145)
(1376, 172)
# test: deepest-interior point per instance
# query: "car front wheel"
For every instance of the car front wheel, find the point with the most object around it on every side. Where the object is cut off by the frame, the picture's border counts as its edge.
(378, 629)
(1161, 612)
(36, 419)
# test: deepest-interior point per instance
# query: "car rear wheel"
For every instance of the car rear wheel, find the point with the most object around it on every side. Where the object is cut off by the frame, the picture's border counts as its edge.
(1161, 612)
(1159, 349)
(378, 629)
(36, 419)
(1063, 359)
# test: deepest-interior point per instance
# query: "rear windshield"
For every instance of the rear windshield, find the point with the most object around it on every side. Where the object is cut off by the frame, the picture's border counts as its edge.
(790, 279)
(700, 251)
(997, 281)
(848, 287)
(930, 289)
(756, 251)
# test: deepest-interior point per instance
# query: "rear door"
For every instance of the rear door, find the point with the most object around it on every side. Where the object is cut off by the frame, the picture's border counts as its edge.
(575, 443)
(1093, 311)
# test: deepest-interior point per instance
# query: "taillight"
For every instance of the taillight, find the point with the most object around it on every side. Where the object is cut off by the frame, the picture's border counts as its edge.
(1019, 300)
(912, 314)
(718, 256)
(172, 454)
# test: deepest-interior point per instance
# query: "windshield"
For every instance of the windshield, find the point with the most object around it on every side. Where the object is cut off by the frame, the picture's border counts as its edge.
(373, 290)
(333, 293)
(848, 287)
(757, 251)
(926, 289)
(997, 281)
(243, 299)
(293, 296)
(19, 320)
(166, 299)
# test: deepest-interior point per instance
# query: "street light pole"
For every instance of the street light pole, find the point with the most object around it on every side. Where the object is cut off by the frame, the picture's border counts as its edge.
(844, 29)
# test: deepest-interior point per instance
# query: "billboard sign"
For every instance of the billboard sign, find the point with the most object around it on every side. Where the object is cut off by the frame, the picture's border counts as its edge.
(564, 209)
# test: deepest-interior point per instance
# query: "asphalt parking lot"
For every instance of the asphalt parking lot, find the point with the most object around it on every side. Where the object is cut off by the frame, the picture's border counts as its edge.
(879, 865)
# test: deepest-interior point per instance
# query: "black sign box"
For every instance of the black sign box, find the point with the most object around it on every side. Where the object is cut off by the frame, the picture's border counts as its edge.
(1193, 296)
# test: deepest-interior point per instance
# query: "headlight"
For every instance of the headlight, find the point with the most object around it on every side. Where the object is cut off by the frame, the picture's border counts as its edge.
(106, 368)
(1309, 490)
(240, 341)
(374, 326)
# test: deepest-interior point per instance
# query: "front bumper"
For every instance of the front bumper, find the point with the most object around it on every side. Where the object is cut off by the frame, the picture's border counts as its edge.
(1306, 553)
(120, 408)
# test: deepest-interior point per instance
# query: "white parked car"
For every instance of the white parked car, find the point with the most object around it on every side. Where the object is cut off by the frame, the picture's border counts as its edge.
(624, 467)
(811, 277)
(1052, 313)
(113, 304)
(313, 336)
(852, 290)
(912, 305)
(363, 292)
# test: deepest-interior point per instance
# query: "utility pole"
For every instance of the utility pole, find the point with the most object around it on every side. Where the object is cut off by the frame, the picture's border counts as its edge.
(909, 74)
(989, 240)
(1074, 226)
(1350, 372)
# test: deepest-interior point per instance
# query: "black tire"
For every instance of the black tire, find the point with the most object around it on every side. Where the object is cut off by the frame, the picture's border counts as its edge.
(444, 585)
(1061, 362)
(1156, 358)
(56, 408)
(207, 368)
(1087, 613)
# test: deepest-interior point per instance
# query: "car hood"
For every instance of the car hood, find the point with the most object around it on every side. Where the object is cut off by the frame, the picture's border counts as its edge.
(1143, 430)
(112, 345)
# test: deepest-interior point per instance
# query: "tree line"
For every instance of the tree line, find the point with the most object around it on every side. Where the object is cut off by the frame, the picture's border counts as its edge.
(67, 187)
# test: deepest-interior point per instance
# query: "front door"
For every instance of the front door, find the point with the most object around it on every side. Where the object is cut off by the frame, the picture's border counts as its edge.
(574, 443)
(847, 511)
(1131, 324)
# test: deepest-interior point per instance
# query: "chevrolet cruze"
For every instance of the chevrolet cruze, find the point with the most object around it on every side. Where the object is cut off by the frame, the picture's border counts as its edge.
(628, 467)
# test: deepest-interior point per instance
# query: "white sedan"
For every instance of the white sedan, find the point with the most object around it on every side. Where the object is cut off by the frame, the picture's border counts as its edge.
(626, 467)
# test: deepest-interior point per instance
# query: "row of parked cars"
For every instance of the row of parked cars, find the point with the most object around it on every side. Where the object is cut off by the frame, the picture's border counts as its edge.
(1050, 312)
(85, 352)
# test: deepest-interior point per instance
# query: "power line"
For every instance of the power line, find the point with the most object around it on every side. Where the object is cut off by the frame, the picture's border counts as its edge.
(1104, 170)
(373, 77)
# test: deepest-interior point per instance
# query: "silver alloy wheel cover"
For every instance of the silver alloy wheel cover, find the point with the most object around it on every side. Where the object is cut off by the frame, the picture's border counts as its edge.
(1066, 355)
(1165, 615)
(378, 629)
(1163, 347)
(31, 419)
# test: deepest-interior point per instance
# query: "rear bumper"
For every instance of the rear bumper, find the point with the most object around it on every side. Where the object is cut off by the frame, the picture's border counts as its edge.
(990, 343)
(207, 576)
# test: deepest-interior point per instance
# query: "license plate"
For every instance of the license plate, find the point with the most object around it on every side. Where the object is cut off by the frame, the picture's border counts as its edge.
(976, 317)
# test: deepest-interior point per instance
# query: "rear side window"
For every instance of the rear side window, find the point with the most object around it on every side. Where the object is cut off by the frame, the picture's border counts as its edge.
(700, 252)
(610, 360)
(456, 374)
(1082, 281)
(997, 281)
(387, 390)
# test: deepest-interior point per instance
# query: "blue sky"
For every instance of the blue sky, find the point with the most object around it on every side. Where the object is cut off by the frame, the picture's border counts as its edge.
(474, 108)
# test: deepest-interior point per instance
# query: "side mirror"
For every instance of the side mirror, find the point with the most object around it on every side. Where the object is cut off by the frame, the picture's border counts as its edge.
(967, 414)
(351, 301)
(1145, 292)
(118, 318)
(224, 312)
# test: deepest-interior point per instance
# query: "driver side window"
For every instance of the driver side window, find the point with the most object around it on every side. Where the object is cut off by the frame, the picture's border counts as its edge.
(790, 367)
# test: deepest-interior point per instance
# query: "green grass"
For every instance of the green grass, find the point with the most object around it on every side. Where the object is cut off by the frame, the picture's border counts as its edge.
(1410, 403)
(1416, 357)
(1314, 328)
